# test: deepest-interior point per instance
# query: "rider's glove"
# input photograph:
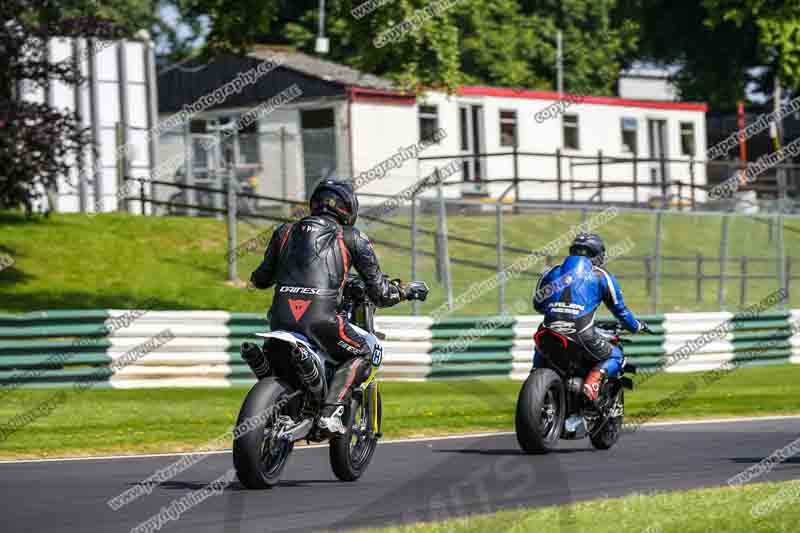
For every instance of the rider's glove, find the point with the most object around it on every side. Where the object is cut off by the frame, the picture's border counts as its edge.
(396, 286)
(643, 327)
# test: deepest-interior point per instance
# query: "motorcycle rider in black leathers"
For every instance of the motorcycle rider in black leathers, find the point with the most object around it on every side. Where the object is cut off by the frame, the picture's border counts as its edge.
(307, 262)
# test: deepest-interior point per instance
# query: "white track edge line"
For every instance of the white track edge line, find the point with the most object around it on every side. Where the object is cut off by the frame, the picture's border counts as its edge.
(396, 441)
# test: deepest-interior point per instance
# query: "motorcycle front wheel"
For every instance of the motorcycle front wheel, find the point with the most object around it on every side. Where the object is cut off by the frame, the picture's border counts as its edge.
(608, 435)
(351, 453)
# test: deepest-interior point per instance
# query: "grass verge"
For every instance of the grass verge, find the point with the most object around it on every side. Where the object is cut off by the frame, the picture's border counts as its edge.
(168, 420)
(695, 511)
(120, 261)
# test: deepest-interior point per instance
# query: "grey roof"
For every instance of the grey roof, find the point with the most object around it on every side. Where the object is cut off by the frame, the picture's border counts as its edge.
(320, 68)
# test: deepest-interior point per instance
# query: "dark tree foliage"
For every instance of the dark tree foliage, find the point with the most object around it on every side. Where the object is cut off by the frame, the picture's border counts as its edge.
(37, 140)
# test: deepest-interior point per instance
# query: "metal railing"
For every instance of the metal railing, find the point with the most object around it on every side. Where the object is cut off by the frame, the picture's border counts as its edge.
(695, 176)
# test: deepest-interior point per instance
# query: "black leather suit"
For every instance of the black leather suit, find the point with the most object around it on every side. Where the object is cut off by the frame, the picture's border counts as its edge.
(308, 261)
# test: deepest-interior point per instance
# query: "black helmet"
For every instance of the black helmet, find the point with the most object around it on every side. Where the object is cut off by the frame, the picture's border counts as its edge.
(337, 198)
(588, 244)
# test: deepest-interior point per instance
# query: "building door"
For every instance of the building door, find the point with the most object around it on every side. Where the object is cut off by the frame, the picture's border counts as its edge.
(319, 146)
(473, 166)
(657, 140)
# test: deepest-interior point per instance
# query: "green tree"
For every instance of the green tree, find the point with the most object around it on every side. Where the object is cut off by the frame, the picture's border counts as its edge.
(507, 42)
(773, 24)
(717, 44)
(501, 42)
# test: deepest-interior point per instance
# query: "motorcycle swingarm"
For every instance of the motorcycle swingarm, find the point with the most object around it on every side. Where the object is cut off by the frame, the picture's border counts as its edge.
(298, 431)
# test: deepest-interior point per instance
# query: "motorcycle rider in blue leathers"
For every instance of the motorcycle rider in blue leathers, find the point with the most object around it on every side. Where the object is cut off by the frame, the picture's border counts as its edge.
(568, 296)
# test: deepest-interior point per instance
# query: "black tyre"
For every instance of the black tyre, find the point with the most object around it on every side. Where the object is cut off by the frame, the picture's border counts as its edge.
(259, 460)
(540, 411)
(608, 435)
(351, 453)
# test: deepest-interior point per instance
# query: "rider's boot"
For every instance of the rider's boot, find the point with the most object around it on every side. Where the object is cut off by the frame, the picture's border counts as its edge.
(350, 374)
(594, 383)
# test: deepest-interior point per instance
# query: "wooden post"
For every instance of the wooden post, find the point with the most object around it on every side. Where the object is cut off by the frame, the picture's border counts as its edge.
(788, 278)
(692, 181)
(635, 178)
(516, 174)
(559, 176)
(600, 175)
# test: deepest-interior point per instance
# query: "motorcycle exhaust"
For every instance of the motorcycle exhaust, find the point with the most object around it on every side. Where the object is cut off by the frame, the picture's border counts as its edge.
(309, 371)
(255, 359)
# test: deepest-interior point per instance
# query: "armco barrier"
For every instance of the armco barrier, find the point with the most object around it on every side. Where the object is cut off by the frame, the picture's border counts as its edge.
(60, 348)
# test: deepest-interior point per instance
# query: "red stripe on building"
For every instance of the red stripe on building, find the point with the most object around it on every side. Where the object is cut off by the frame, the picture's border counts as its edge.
(505, 92)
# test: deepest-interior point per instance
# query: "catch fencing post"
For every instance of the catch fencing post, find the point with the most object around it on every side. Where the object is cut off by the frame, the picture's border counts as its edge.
(743, 280)
(723, 260)
(788, 278)
(231, 193)
(414, 304)
(659, 234)
(781, 258)
(501, 281)
(699, 277)
(442, 237)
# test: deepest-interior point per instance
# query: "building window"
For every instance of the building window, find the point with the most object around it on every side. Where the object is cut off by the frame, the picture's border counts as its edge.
(687, 139)
(428, 123)
(630, 136)
(248, 144)
(571, 132)
(463, 124)
(508, 128)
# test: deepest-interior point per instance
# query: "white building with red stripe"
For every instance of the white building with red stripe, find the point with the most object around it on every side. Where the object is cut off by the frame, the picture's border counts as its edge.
(576, 148)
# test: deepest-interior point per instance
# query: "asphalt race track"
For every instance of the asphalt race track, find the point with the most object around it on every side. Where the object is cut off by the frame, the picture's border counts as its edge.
(407, 481)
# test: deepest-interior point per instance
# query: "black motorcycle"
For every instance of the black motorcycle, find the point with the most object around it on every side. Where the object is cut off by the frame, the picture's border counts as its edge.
(552, 406)
(284, 406)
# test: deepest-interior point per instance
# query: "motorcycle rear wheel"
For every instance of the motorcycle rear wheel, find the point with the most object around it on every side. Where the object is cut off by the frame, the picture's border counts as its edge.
(541, 409)
(258, 460)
